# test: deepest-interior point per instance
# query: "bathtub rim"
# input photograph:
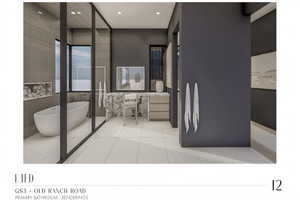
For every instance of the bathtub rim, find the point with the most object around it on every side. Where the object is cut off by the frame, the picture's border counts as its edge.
(43, 113)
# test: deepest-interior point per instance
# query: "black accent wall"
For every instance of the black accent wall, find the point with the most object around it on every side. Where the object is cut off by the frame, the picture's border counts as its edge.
(263, 40)
(130, 47)
(215, 52)
(263, 34)
(263, 109)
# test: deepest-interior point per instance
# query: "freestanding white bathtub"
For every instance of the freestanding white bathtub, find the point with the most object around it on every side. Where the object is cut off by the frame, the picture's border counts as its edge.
(48, 121)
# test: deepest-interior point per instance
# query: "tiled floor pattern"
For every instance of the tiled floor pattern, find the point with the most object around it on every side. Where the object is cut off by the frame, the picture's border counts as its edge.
(152, 142)
(40, 149)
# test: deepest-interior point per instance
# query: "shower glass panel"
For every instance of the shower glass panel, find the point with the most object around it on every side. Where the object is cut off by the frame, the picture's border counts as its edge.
(81, 68)
(102, 70)
(79, 34)
(57, 65)
(41, 97)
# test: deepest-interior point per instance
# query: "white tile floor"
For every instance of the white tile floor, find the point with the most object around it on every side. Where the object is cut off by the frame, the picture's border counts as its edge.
(40, 149)
(152, 142)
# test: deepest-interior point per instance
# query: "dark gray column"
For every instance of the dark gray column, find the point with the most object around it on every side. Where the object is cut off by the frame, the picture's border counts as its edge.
(215, 52)
(63, 81)
(93, 72)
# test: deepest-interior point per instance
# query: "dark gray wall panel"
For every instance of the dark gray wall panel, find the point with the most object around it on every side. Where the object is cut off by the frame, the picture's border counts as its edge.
(81, 36)
(263, 107)
(263, 40)
(263, 34)
(174, 27)
(130, 47)
(215, 52)
(40, 32)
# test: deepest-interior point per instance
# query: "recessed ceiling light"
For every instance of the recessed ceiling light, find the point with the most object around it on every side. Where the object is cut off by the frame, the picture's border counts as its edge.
(78, 13)
(39, 12)
(119, 13)
(73, 12)
(157, 13)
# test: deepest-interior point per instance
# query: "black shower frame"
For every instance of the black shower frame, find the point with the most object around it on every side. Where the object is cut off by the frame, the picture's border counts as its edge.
(64, 154)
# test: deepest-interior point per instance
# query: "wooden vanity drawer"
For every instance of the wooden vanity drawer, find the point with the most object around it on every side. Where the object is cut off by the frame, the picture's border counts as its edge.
(159, 107)
(159, 99)
(158, 115)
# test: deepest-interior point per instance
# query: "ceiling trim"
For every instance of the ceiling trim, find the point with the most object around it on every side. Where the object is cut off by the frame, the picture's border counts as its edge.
(262, 12)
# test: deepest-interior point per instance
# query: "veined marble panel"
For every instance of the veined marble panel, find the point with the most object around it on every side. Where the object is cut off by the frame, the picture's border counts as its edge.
(37, 90)
(263, 71)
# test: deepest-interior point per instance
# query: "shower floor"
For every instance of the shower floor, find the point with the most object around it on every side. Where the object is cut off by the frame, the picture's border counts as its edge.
(41, 149)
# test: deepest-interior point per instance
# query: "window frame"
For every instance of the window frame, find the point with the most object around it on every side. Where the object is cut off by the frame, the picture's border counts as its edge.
(163, 67)
(142, 66)
(69, 48)
(70, 88)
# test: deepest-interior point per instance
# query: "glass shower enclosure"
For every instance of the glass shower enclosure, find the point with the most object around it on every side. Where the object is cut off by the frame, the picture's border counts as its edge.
(67, 62)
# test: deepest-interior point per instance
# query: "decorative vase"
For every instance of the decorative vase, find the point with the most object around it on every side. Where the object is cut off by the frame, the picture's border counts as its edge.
(159, 86)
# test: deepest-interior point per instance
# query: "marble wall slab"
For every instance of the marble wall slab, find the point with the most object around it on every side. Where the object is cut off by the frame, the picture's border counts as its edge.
(263, 71)
(37, 90)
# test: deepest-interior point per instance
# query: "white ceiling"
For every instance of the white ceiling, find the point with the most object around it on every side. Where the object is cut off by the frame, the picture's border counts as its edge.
(75, 21)
(136, 15)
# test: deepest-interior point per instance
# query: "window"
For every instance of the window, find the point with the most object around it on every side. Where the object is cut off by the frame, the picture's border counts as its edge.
(80, 79)
(81, 68)
(130, 78)
(156, 65)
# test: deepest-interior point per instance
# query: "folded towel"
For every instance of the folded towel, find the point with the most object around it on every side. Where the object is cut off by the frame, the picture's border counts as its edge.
(104, 95)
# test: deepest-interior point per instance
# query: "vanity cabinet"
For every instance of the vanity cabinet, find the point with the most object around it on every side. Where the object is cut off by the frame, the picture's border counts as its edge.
(158, 107)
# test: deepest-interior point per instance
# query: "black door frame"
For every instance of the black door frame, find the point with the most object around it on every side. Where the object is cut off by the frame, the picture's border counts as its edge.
(93, 71)
(64, 154)
(63, 81)
(174, 89)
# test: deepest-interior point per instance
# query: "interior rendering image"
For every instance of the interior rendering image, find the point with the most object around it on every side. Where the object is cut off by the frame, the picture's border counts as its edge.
(149, 83)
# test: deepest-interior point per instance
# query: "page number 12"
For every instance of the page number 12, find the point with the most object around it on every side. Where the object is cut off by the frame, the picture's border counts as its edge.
(276, 185)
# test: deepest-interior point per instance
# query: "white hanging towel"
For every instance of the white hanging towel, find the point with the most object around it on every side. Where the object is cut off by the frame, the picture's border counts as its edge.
(100, 95)
(187, 112)
(104, 94)
(104, 87)
(196, 108)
